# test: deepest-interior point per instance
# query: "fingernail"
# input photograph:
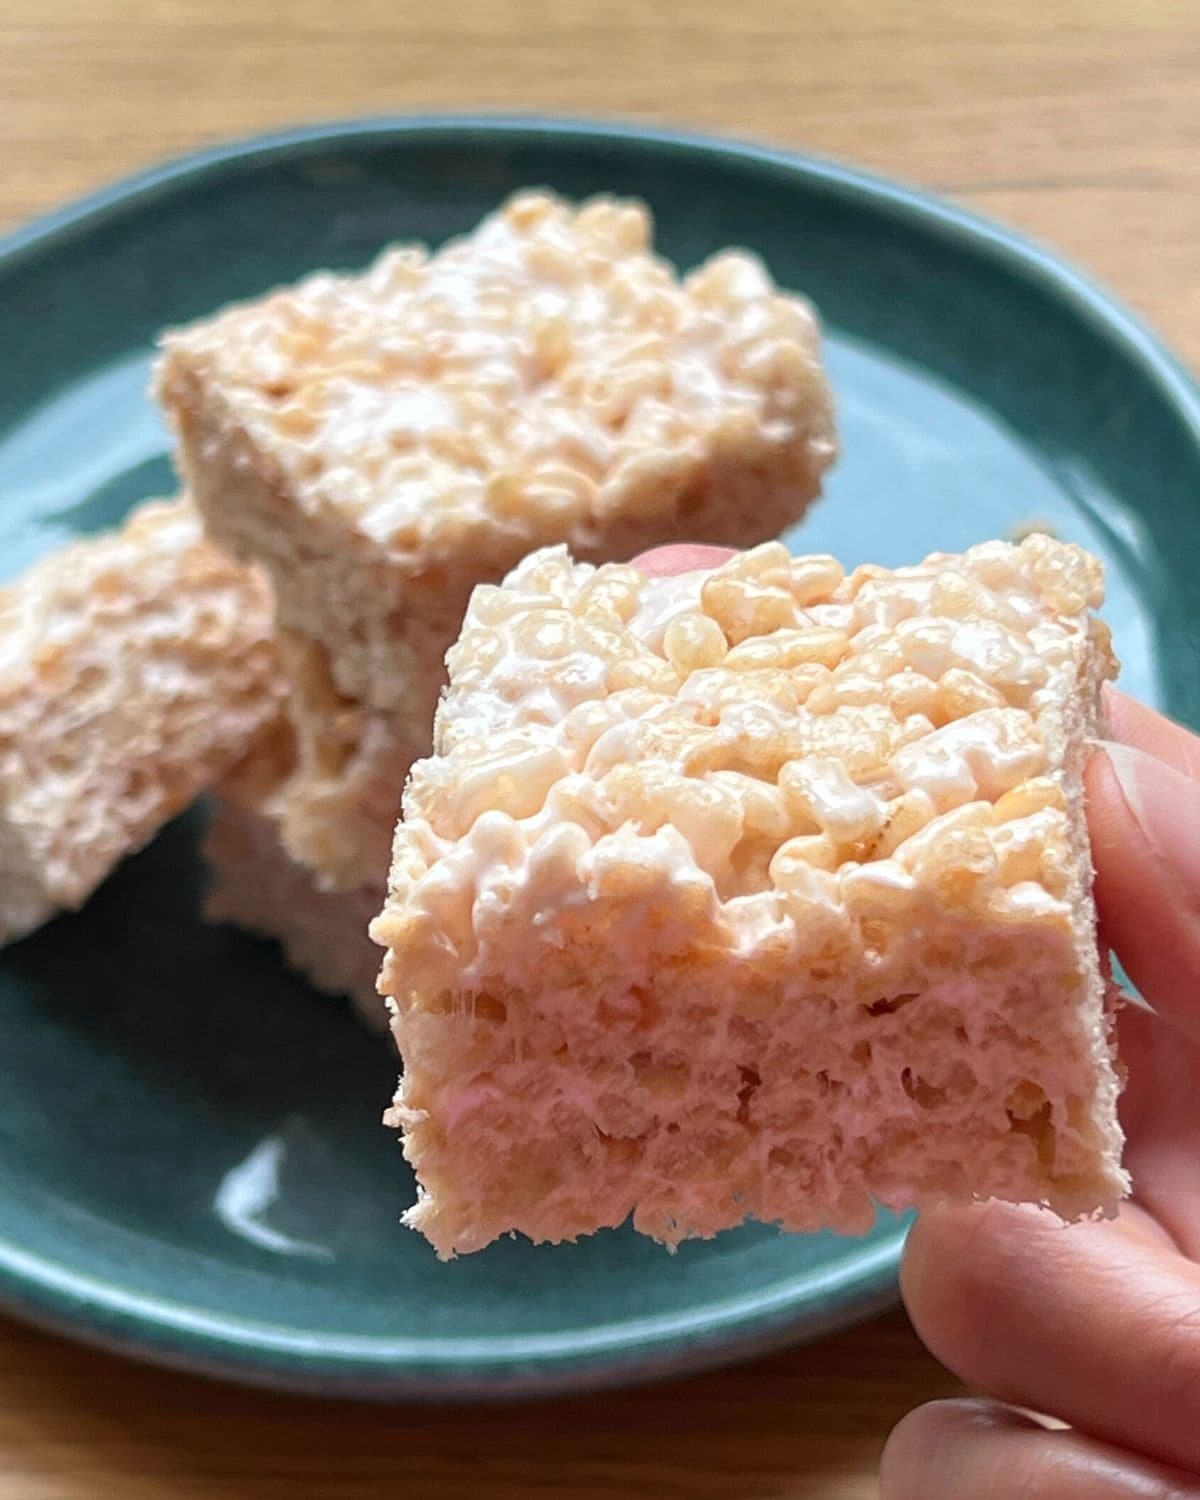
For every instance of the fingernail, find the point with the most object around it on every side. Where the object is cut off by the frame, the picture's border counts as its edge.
(1164, 805)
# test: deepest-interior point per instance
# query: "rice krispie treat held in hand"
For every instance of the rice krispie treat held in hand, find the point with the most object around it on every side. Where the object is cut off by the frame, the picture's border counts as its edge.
(383, 442)
(756, 892)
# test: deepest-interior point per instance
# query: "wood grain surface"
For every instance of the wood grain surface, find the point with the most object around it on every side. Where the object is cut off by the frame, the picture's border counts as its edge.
(1078, 120)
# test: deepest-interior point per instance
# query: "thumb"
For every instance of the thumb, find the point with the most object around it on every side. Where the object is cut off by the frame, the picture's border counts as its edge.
(1144, 819)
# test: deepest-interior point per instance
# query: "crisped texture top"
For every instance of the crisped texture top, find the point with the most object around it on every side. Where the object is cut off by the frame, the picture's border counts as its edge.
(806, 755)
(546, 363)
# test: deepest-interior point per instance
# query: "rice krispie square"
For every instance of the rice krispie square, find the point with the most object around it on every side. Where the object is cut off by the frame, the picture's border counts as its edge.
(761, 892)
(381, 443)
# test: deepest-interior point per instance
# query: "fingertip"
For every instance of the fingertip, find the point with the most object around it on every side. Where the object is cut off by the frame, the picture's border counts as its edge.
(680, 557)
(960, 1262)
(928, 1440)
(1111, 825)
(947, 1234)
(1141, 728)
(1144, 824)
(987, 1451)
(931, 1283)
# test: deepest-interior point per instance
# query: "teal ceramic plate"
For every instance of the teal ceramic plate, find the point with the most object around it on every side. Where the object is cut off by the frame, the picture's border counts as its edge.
(191, 1165)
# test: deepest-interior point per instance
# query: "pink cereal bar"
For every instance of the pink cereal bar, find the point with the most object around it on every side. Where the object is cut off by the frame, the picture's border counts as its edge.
(136, 669)
(760, 893)
(381, 443)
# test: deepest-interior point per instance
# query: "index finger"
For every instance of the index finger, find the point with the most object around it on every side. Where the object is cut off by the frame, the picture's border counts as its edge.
(680, 557)
(1133, 724)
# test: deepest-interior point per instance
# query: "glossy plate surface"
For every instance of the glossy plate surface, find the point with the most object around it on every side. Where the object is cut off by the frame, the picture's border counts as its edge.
(191, 1166)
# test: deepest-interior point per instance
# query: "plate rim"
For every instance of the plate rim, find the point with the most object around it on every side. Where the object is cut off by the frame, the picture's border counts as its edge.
(96, 1312)
(1016, 250)
(258, 1355)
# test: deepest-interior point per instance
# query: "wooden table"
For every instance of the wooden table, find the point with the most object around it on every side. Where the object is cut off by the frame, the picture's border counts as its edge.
(1078, 120)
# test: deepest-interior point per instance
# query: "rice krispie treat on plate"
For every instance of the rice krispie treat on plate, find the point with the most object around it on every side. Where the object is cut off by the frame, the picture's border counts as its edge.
(136, 669)
(381, 443)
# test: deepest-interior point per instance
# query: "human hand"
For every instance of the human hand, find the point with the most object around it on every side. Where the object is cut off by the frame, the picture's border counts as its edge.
(1096, 1324)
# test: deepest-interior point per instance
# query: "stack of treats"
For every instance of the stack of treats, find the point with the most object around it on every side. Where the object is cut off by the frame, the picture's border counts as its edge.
(762, 891)
(380, 444)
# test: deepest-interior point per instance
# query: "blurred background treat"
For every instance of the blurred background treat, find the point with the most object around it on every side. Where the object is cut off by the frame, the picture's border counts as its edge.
(1075, 120)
